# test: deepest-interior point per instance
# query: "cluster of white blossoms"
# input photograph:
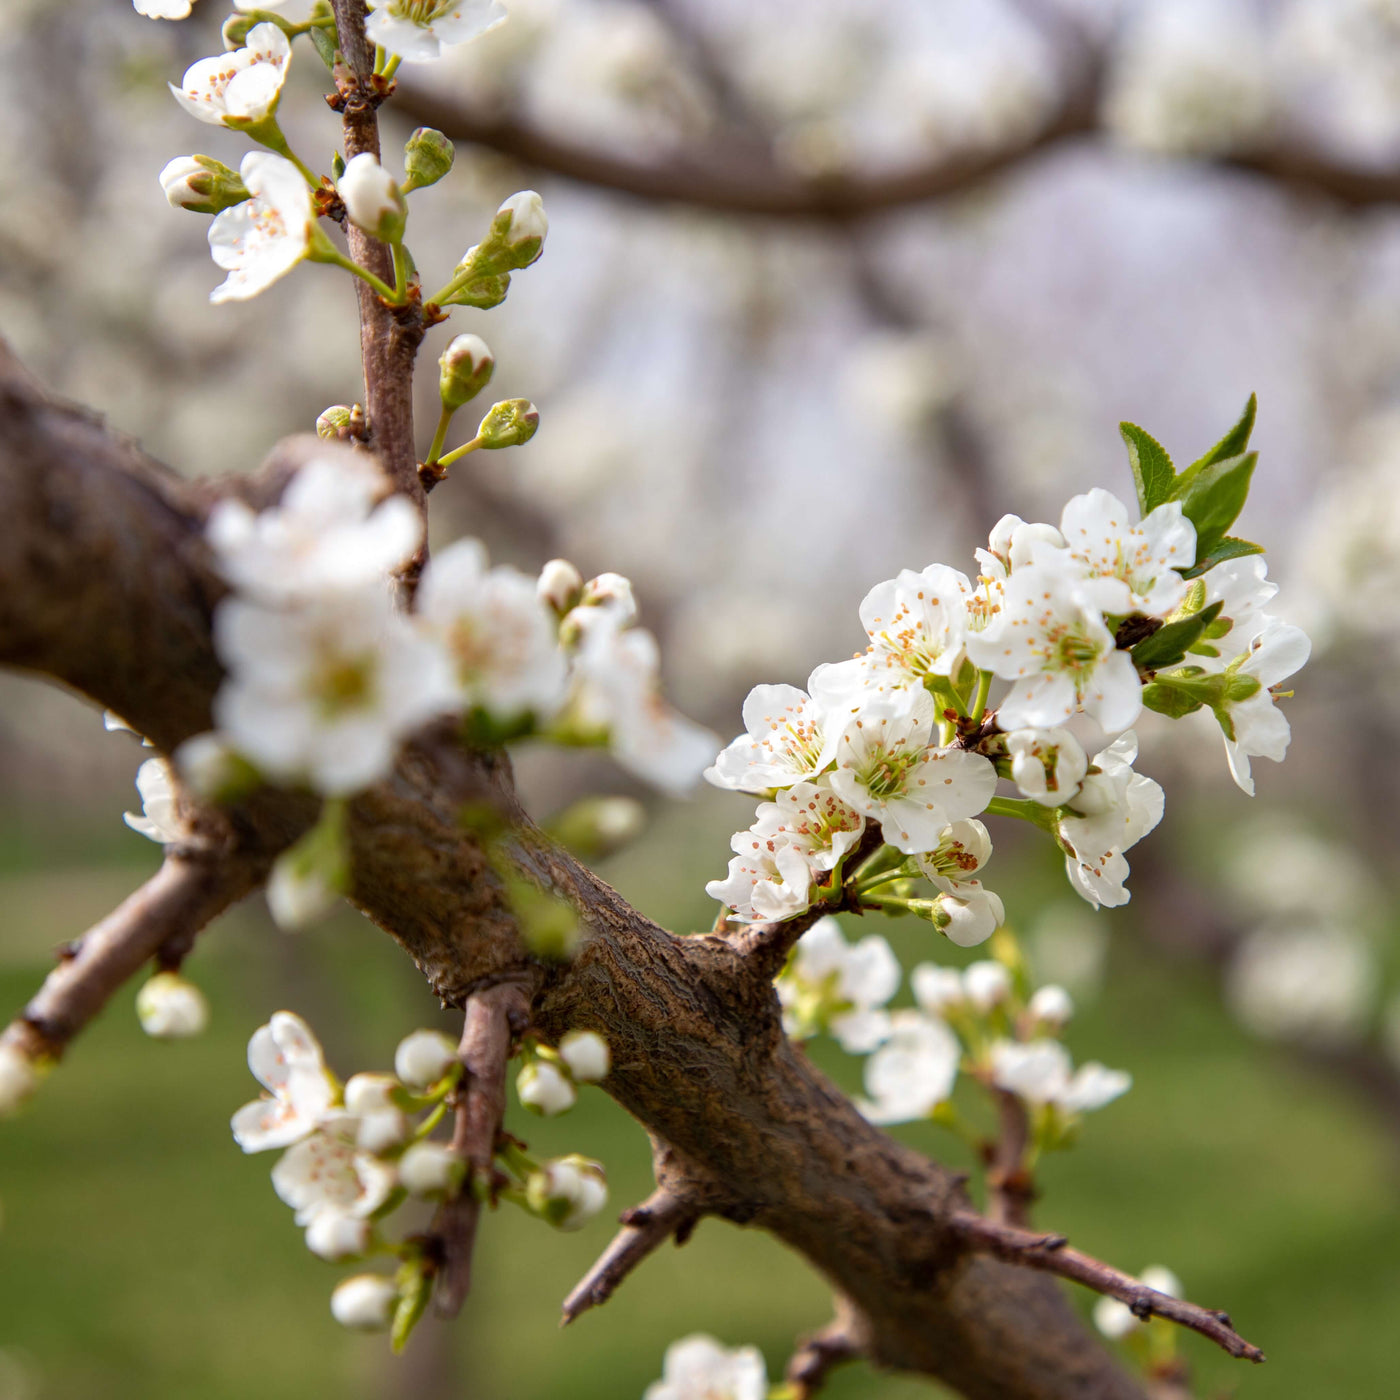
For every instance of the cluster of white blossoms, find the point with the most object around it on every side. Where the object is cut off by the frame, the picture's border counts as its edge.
(885, 760)
(353, 1153)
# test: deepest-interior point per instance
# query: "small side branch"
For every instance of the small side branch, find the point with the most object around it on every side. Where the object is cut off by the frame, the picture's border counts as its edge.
(167, 911)
(1009, 1184)
(843, 1339)
(494, 1018)
(1051, 1254)
(644, 1229)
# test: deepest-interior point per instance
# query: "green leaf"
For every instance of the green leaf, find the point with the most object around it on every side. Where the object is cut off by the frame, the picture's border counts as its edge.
(1228, 548)
(415, 1288)
(1153, 473)
(1166, 699)
(1234, 444)
(323, 41)
(1213, 495)
(1168, 644)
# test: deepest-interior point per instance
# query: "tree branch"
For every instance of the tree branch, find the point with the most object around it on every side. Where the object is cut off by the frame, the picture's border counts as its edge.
(645, 1228)
(1052, 1253)
(843, 1339)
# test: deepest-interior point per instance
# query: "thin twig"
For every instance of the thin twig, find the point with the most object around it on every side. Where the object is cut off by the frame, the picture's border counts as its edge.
(1009, 1185)
(644, 1229)
(1052, 1254)
(843, 1339)
(493, 1019)
(174, 904)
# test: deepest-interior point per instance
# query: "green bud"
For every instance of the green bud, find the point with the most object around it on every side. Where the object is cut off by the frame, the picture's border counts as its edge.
(598, 826)
(202, 184)
(509, 424)
(466, 367)
(334, 421)
(427, 157)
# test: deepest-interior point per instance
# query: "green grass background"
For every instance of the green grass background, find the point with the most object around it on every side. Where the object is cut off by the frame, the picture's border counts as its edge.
(143, 1257)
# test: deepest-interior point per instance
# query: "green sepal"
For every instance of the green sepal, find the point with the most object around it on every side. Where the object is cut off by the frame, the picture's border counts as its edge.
(481, 729)
(1153, 473)
(337, 166)
(415, 1289)
(1212, 496)
(1169, 644)
(1227, 548)
(483, 293)
(1234, 444)
(1168, 698)
(324, 42)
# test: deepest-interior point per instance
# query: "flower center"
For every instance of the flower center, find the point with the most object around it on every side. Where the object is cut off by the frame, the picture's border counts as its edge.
(343, 683)
(422, 12)
(886, 774)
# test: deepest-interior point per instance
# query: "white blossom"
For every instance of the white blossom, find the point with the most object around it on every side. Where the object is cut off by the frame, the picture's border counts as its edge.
(886, 769)
(1115, 1319)
(700, 1368)
(1114, 809)
(421, 29)
(913, 1071)
(1304, 983)
(240, 88)
(1047, 765)
(1127, 568)
(365, 1302)
(337, 528)
(170, 1008)
(544, 1089)
(18, 1078)
(336, 1237)
(326, 694)
(809, 817)
(560, 585)
(1042, 1073)
(1013, 544)
(372, 199)
(327, 1172)
(1243, 590)
(1053, 644)
(163, 9)
(159, 818)
(501, 640)
(770, 878)
(431, 1169)
(1261, 729)
(265, 236)
(787, 738)
(987, 984)
(614, 592)
(971, 916)
(286, 1059)
(1051, 1005)
(209, 767)
(587, 1056)
(842, 986)
(938, 989)
(568, 1191)
(423, 1057)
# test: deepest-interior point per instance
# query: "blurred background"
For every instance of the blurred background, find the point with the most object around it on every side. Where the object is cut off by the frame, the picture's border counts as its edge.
(829, 286)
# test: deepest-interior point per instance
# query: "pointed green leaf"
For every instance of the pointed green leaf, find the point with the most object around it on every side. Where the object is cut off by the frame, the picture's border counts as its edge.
(1168, 644)
(1234, 444)
(1153, 473)
(1213, 495)
(1228, 548)
(323, 41)
(1166, 699)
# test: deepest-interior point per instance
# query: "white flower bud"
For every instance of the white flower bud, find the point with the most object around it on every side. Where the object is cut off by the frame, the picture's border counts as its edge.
(370, 1093)
(298, 896)
(1053, 1005)
(560, 585)
(569, 1191)
(381, 1130)
(372, 199)
(337, 1237)
(465, 369)
(202, 184)
(18, 1078)
(510, 423)
(423, 1058)
(586, 1054)
(970, 919)
(987, 984)
(522, 225)
(365, 1302)
(431, 1169)
(543, 1089)
(612, 591)
(170, 1008)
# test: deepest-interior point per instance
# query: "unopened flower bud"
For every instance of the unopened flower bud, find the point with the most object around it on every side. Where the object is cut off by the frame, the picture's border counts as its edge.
(298, 894)
(372, 199)
(427, 157)
(210, 769)
(1052, 1005)
(423, 1058)
(381, 1130)
(586, 1054)
(371, 1093)
(972, 920)
(465, 369)
(521, 226)
(202, 184)
(365, 1302)
(560, 585)
(544, 1089)
(568, 1192)
(509, 424)
(18, 1078)
(337, 1237)
(988, 984)
(431, 1169)
(613, 591)
(595, 827)
(330, 422)
(170, 1008)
